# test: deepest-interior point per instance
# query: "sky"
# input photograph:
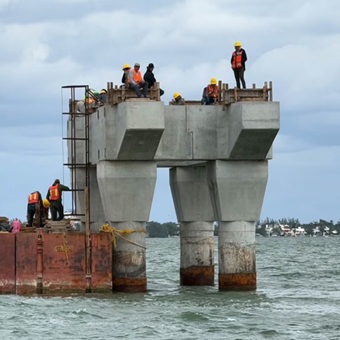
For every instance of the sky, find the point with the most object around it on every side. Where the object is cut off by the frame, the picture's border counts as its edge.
(293, 43)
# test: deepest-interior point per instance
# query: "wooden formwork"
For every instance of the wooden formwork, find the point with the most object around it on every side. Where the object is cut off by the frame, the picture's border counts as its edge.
(229, 96)
(117, 94)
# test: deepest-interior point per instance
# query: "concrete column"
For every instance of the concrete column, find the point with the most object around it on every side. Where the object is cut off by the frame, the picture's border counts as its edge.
(126, 190)
(237, 190)
(197, 253)
(129, 259)
(236, 256)
(194, 212)
(97, 217)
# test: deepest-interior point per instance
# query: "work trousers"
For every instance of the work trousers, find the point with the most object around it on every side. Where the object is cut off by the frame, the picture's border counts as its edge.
(135, 88)
(57, 210)
(32, 210)
(239, 76)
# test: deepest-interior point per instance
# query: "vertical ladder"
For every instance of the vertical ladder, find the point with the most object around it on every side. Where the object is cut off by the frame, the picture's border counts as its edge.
(73, 164)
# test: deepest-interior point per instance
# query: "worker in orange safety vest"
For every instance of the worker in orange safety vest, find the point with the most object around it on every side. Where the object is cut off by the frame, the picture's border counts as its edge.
(238, 64)
(34, 208)
(210, 93)
(54, 196)
(137, 82)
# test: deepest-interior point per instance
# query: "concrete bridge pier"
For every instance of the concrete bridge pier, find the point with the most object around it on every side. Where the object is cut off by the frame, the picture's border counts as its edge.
(194, 212)
(237, 189)
(126, 190)
(97, 217)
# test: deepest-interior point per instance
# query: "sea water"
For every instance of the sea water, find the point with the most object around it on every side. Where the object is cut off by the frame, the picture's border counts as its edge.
(298, 297)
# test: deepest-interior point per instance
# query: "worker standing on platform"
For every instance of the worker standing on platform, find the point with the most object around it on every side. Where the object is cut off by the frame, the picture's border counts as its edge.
(54, 197)
(238, 64)
(34, 208)
(177, 99)
(210, 93)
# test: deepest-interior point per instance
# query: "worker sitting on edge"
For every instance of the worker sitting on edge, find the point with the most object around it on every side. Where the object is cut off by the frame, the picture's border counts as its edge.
(54, 194)
(177, 99)
(136, 81)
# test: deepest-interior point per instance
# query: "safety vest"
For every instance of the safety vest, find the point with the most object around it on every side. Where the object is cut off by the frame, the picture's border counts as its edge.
(54, 192)
(89, 101)
(212, 91)
(33, 198)
(237, 59)
(137, 76)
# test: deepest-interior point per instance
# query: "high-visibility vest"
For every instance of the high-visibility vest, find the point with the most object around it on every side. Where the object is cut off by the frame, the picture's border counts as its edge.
(137, 76)
(212, 91)
(54, 192)
(33, 198)
(237, 59)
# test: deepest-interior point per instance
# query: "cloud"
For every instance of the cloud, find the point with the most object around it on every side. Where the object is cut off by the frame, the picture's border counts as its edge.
(294, 44)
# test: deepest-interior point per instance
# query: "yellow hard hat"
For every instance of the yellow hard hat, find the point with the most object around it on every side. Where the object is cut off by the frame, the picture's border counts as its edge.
(237, 44)
(46, 203)
(213, 81)
(176, 94)
(126, 66)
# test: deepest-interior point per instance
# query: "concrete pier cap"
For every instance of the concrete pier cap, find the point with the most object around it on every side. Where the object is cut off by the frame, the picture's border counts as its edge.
(218, 159)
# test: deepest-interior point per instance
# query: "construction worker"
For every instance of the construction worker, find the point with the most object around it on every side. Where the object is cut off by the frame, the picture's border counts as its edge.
(125, 76)
(89, 102)
(34, 208)
(149, 77)
(177, 99)
(54, 194)
(238, 64)
(136, 81)
(210, 93)
(103, 96)
(44, 215)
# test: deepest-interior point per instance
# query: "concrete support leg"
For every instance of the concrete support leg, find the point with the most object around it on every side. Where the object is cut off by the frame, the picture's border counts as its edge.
(194, 211)
(127, 190)
(129, 259)
(237, 191)
(197, 253)
(97, 217)
(236, 256)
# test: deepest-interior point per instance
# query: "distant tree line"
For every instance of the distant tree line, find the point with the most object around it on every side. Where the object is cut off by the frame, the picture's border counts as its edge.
(168, 229)
(155, 229)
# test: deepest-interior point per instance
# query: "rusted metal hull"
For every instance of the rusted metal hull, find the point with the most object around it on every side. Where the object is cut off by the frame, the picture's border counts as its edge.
(42, 262)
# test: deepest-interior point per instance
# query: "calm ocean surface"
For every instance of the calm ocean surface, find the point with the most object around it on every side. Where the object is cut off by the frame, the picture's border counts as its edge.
(298, 297)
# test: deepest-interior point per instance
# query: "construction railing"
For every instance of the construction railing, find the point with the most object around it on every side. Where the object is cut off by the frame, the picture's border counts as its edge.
(117, 94)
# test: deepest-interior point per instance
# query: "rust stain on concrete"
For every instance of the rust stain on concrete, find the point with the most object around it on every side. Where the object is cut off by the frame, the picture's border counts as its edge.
(237, 281)
(197, 276)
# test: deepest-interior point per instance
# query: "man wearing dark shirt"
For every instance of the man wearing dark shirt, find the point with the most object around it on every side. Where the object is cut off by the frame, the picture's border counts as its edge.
(150, 78)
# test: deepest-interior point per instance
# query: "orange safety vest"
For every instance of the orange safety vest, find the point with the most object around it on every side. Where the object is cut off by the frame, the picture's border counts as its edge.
(54, 192)
(33, 198)
(212, 91)
(137, 76)
(89, 101)
(237, 59)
